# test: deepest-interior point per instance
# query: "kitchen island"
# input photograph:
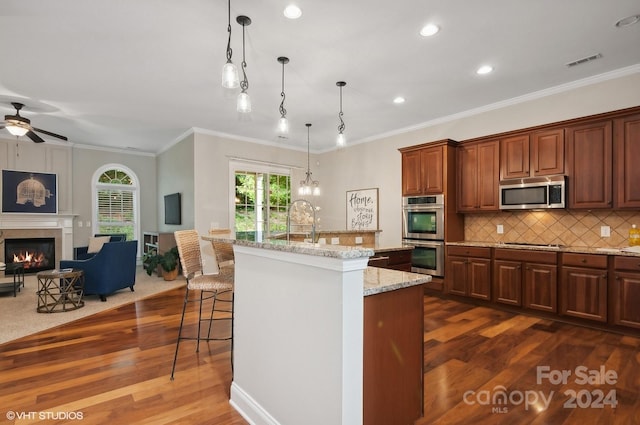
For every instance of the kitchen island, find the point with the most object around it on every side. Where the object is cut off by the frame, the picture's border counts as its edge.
(304, 314)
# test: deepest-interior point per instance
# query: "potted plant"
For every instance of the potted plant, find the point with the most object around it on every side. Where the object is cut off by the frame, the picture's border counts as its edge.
(168, 261)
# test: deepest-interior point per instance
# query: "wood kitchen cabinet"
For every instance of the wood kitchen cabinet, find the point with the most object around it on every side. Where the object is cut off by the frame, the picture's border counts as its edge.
(583, 291)
(626, 136)
(590, 166)
(468, 272)
(428, 169)
(478, 176)
(395, 259)
(540, 153)
(625, 291)
(526, 278)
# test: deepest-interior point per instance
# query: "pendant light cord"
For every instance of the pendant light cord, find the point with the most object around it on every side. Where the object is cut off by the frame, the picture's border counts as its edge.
(229, 50)
(244, 84)
(283, 111)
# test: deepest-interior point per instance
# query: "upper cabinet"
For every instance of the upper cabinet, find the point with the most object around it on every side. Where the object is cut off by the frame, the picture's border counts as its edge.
(422, 171)
(478, 176)
(589, 163)
(540, 153)
(626, 137)
(547, 152)
(428, 169)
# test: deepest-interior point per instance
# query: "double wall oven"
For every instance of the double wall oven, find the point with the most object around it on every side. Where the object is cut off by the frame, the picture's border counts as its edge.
(423, 229)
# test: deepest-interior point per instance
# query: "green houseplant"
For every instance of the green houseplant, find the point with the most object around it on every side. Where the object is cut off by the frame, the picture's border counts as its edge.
(168, 262)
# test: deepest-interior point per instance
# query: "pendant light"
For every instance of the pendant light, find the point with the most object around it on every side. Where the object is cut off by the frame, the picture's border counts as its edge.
(308, 186)
(244, 102)
(283, 123)
(341, 141)
(230, 79)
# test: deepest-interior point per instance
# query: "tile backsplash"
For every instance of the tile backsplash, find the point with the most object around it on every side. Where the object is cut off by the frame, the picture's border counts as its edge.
(564, 227)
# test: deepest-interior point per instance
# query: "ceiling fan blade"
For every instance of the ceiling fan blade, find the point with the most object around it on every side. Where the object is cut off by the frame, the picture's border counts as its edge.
(48, 133)
(33, 136)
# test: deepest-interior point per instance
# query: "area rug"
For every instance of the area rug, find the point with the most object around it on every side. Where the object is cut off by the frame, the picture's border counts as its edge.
(18, 316)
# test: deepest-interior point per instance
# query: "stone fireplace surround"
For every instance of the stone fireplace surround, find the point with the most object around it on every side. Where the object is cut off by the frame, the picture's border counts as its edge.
(57, 226)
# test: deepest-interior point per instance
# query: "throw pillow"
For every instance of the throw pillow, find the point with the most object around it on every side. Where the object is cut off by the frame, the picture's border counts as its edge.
(95, 244)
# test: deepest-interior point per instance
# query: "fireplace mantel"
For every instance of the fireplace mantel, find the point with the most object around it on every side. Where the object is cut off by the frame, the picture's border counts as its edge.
(16, 222)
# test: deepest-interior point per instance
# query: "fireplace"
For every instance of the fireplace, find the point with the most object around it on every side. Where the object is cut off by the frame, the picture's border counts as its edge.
(35, 253)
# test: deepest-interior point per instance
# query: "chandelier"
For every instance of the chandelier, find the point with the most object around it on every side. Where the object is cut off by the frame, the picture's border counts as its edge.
(308, 186)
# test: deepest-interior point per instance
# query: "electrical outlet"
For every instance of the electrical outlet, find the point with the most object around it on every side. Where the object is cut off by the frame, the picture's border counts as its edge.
(335, 241)
(605, 231)
(500, 229)
(79, 223)
(358, 240)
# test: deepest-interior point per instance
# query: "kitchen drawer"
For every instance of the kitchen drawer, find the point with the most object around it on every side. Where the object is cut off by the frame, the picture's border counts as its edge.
(584, 260)
(399, 257)
(379, 261)
(626, 263)
(469, 251)
(526, 255)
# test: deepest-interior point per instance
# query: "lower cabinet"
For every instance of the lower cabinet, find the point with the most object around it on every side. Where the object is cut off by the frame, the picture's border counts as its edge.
(468, 272)
(526, 278)
(395, 259)
(597, 288)
(625, 291)
(583, 291)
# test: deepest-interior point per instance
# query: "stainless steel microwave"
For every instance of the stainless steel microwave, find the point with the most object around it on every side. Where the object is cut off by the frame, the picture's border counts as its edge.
(533, 193)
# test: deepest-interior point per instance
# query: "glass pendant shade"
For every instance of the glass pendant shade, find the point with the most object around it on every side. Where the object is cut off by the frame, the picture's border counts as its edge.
(283, 126)
(244, 103)
(308, 186)
(230, 79)
(16, 130)
(341, 141)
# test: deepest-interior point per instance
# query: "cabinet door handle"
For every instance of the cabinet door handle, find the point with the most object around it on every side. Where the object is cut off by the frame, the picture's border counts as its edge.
(604, 276)
(584, 260)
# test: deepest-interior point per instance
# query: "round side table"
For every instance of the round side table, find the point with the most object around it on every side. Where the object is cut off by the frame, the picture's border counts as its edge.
(60, 290)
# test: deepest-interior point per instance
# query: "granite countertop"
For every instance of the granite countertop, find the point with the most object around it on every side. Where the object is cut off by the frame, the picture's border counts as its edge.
(378, 280)
(392, 248)
(307, 248)
(555, 248)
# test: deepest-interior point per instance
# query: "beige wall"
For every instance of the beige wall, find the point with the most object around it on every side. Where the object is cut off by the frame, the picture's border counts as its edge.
(176, 174)
(85, 163)
(211, 179)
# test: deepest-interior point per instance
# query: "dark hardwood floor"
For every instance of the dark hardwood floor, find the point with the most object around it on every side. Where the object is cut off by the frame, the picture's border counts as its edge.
(114, 367)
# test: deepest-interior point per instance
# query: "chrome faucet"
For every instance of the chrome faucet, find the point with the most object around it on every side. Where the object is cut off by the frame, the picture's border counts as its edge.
(313, 225)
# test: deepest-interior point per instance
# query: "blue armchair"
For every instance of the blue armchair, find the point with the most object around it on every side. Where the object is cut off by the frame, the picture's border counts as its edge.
(81, 252)
(111, 269)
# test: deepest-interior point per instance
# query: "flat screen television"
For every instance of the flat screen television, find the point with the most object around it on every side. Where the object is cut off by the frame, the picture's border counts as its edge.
(172, 209)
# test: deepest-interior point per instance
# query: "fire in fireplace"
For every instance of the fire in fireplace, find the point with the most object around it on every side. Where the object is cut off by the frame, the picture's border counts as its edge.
(35, 253)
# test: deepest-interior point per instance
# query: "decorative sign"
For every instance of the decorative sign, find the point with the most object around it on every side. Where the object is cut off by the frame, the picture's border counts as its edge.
(362, 209)
(25, 192)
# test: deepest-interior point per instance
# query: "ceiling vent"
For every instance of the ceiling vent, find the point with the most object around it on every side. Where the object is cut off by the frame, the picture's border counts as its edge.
(584, 60)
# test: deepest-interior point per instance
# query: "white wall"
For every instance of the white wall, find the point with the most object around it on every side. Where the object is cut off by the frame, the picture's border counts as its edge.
(378, 163)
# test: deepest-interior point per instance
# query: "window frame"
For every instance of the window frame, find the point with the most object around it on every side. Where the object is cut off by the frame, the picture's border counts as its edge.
(236, 166)
(134, 187)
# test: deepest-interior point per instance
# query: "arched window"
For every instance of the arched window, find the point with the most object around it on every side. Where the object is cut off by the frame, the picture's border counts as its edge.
(115, 201)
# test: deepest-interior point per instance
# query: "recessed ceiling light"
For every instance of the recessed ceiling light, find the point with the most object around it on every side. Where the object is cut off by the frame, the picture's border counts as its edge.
(484, 69)
(629, 20)
(429, 30)
(292, 11)
(398, 100)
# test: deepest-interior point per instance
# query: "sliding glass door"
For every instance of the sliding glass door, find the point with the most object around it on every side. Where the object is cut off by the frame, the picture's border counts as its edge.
(261, 204)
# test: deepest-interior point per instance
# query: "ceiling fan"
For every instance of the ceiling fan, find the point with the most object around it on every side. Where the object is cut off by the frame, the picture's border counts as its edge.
(20, 126)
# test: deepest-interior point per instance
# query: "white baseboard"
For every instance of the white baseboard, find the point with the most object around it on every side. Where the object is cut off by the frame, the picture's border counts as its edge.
(250, 410)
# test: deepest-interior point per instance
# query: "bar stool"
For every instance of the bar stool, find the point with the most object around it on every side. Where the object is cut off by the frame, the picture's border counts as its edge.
(209, 286)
